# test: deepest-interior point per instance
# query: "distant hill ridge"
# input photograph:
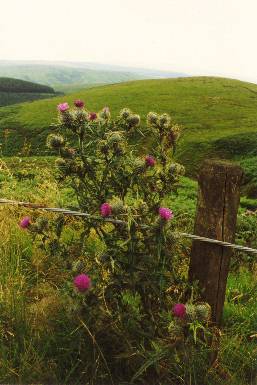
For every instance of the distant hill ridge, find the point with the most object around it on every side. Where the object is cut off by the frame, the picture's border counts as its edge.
(70, 76)
(17, 85)
(13, 91)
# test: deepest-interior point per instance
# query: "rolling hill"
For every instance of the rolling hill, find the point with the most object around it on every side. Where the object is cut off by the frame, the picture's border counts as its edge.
(14, 91)
(219, 117)
(70, 76)
(65, 78)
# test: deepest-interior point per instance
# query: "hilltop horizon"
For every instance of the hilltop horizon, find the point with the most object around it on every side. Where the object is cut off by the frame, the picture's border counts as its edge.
(94, 65)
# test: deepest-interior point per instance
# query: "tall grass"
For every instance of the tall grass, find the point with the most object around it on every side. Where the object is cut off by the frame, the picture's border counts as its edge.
(41, 340)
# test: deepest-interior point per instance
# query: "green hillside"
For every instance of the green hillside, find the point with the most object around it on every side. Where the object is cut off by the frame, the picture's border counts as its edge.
(18, 85)
(14, 91)
(219, 116)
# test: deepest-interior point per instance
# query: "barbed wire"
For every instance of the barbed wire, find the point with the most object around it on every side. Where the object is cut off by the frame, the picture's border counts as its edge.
(35, 206)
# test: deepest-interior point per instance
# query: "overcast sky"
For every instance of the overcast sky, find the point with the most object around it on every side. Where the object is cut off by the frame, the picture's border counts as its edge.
(216, 37)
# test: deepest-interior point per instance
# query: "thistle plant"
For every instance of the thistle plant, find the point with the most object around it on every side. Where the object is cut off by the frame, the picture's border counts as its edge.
(126, 243)
(106, 169)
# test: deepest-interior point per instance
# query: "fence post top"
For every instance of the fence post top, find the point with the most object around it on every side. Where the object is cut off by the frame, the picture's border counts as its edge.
(220, 167)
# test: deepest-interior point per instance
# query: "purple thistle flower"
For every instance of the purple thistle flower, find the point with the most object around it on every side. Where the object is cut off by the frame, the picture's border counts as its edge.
(79, 103)
(25, 222)
(82, 282)
(63, 107)
(165, 213)
(150, 161)
(92, 116)
(179, 310)
(106, 210)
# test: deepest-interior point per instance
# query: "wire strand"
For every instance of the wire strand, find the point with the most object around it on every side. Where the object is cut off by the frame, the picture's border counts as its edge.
(120, 222)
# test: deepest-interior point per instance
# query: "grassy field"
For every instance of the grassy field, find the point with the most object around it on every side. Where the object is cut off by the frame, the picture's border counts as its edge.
(219, 117)
(39, 336)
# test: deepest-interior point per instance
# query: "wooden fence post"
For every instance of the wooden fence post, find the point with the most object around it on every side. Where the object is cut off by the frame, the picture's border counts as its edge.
(218, 201)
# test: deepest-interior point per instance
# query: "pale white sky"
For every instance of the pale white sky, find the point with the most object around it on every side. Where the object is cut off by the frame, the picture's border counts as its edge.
(216, 37)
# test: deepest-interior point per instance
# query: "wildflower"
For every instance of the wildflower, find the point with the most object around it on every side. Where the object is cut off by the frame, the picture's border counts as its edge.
(82, 282)
(150, 161)
(179, 310)
(165, 213)
(106, 210)
(63, 107)
(92, 116)
(25, 222)
(79, 103)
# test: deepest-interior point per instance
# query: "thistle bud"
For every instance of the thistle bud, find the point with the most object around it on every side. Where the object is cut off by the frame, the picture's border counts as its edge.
(203, 311)
(133, 120)
(190, 312)
(152, 118)
(55, 141)
(114, 137)
(125, 113)
(174, 134)
(105, 113)
(80, 116)
(67, 152)
(117, 206)
(177, 169)
(61, 164)
(164, 120)
(66, 119)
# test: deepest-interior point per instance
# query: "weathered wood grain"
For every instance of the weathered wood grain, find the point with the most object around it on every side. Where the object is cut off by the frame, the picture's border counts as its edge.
(218, 201)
